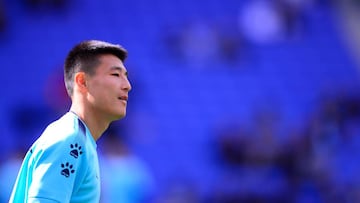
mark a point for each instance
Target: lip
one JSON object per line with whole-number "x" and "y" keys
{"x": 123, "y": 98}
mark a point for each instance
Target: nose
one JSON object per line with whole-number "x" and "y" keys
{"x": 127, "y": 85}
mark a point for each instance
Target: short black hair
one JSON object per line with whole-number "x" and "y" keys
{"x": 84, "y": 57}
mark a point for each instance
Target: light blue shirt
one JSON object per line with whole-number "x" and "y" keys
{"x": 61, "y": 166}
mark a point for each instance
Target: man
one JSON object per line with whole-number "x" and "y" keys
{"x": 62, "y": 165}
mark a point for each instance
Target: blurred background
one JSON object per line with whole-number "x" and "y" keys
{"x": 232, "y": 101}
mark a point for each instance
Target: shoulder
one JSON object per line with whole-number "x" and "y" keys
{"x": 64, "y": 129}
{"x": 62, "y": 134}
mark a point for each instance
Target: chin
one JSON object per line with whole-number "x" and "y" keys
{"x": 120, "y": 115}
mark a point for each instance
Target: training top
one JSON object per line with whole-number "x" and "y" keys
{"x": 61, "y": 166}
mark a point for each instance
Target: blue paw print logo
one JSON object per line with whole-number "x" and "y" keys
{"x": 75, "y": 150}
{"x": 67, "y": 169}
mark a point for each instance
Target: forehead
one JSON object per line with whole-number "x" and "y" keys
{"x": 110, "y": 62}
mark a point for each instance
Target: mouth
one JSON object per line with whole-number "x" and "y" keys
{"x": 123, "y": 98}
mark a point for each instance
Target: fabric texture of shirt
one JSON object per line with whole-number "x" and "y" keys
{"x": 61, "y": 166}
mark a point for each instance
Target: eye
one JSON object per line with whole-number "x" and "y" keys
{"x": 115, "y": 74}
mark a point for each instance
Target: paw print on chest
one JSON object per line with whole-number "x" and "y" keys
{"x": 67, "y": 169}
{"x": 75, "y": 150}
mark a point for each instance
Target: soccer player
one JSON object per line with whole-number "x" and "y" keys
{"x": 62, "y": 165}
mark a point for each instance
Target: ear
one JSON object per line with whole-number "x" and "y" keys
{"x": 80, "y": 81}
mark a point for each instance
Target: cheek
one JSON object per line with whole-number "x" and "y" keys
{"x": 104, "y": 91}
{"x": 97, "y": 91}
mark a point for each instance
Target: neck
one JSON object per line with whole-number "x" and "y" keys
{"x": 96, "y": 125}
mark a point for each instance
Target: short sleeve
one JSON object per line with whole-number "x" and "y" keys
{"x": 41, "y": 200}
{"x": 56, "y": 169}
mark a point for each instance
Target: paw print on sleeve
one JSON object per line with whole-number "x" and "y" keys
{"x": 75, "y": 150}
{"x": 67, "y": 169}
